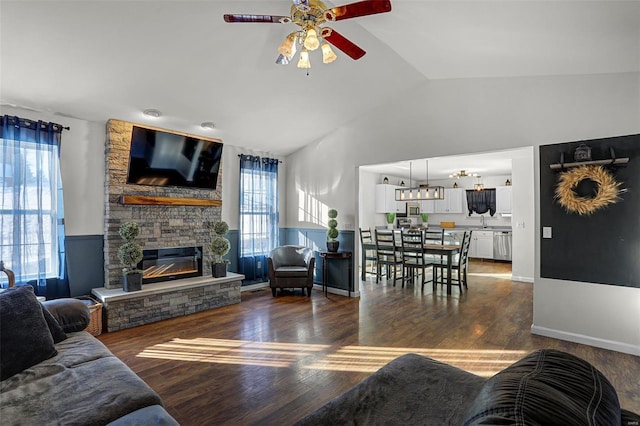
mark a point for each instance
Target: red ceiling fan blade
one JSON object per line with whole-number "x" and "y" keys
{"x": 270, "y": 19}
{"x": 342, "y": 43}
{"x": 361, "y": 8}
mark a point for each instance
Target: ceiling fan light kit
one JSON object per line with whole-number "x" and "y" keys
{"x": 328, "y": 55}
{"x": 303, "y": 62}
{"x": 309, "y": 15}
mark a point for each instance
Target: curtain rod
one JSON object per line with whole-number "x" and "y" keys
{"x": 240, "y": 155}
{"x": 29, "y": 119}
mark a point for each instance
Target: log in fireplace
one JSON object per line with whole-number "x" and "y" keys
{"x": 171, "y": 264}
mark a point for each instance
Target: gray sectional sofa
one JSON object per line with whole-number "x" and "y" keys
{"x": 546, "y": 387}
{"x": 79, "y": 381}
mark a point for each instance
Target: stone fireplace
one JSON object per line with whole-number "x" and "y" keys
{"x": 174, "y": 233}
{"x": 162, "y": 226}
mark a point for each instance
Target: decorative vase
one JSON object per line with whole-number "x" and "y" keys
{"x": 218, "y": 270}
{"x": 132, "y": 281}
{"x": 332, "y": 246}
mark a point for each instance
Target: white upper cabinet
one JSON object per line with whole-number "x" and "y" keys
{"x": 503, "y": 199}
{"x": 452, "y": 203}
{"x": 427, "y": 206}
{"x": 386, "y": 199}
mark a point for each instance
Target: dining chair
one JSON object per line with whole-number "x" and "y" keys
{"x": 414, "y": 259}
{"x": 432, "y": 236}
{"x": 368, "y": 253}
{"x": 459, "y": 265}
{"x": 388, "y": 254}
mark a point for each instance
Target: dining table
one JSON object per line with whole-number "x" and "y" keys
{"x": 448, "y": 250}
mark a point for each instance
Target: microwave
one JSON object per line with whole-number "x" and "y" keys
{"x": 413, "y": 209}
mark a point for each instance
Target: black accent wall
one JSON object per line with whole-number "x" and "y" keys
{"x": 603, "y": 247}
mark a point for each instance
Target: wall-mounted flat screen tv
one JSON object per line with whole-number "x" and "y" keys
{"x": 168, "y": 159}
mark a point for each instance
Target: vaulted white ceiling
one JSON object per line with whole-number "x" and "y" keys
{"x": 97, "y": 60}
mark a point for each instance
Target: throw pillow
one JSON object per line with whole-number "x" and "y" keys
{"x": 546, "y": 387}
{"x": 55, "y": 329}
{"x": 25, "y": 339}
{"x": 72, "y": 314}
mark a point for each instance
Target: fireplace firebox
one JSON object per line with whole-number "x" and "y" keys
{"x": 168, "y": 264}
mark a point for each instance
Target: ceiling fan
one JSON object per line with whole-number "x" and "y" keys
{"x": 309, "y": 15}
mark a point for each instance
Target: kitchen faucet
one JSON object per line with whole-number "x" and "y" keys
{"x": 484, "y": 225}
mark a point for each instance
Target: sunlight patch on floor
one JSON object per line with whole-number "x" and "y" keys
{"x": 266, "y": 354}
{"x": 320, "y": 357}
{"x": 484, "y": 363}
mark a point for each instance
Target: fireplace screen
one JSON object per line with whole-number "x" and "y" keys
{"x": 171, "y": 264}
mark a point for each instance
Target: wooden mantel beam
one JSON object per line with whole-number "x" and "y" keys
{"x": 168, "y": 201}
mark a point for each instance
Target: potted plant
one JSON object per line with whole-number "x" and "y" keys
{"x": 332, "y": 231}
{"x": 391, "y": 217}
{"x": 219, "y": 246}
{"x": 425, "y": 219}
{"x": 130, "y": 254}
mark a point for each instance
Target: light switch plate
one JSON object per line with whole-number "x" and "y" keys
{"x": 546, "y": 232}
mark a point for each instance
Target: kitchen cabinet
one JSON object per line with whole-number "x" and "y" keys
{"x": 503, "y": 199}
{"x": 481, "y": 245}
{"x": 452, "y": 203}
{"x": 427, "y": 206}
{"x": 386, "y": 199}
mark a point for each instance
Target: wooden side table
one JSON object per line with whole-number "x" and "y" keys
{"x": 340, "y": 255}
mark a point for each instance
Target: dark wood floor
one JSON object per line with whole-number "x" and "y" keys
{"x": 272, "y": 360}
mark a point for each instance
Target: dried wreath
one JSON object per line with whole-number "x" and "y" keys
{"x": 608, "y": 190}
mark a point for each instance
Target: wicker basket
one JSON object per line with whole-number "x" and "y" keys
{"x": 95, "y": 311}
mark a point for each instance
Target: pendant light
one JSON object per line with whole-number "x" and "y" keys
{"x": 420, "y": 192}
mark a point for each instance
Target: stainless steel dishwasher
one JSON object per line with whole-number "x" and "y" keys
{"x": 502, "y": 245}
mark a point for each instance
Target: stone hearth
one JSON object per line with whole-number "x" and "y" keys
{"x": 169, "y": 299}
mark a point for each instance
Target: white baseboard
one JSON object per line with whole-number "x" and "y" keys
{"x": 522, "y": 279}
{"x": 586, "y": 340}
{"x": 338, "y": 291}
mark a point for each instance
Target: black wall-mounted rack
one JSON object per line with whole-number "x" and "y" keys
{"x": 607, "y": 162}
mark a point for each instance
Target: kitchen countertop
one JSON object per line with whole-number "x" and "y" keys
{"x": 463, "y": 228}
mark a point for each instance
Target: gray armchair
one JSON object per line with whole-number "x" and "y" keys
{"x": 291, "y": 267}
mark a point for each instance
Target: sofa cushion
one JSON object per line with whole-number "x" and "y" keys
{"x": 410, "y": 390}
{"x": 291, "y": 271}
{"x": 25, "y": 339}
{"x": 72, "y": 314}
{"x": 83, "y": 384}
{"x": 153, "y": 415}
{"x": 546, "y": 387}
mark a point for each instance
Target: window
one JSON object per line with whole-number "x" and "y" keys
{"x": 31, "y": 211}
{"x": 259, "y": 215}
